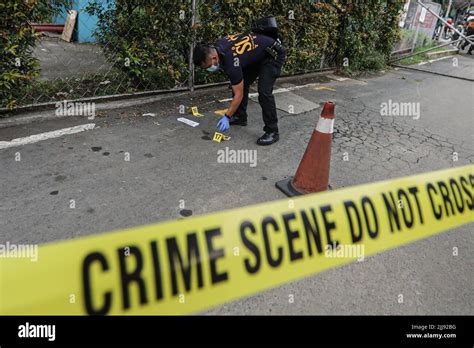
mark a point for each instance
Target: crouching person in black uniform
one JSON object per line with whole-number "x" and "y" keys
{"x": 470, "y": 34}
{"x": 243, "y": 58}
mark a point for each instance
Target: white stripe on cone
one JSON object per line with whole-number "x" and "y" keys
{"x": 325, "y": 125}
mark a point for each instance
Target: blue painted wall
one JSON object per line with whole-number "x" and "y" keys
{"x": 85, "y": 24}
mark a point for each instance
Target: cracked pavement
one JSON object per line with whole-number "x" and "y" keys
{"x": 171, "y": 163}
{"x": 372, "y": 141}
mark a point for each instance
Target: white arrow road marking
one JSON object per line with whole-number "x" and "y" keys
{"x": 44, "y": 136}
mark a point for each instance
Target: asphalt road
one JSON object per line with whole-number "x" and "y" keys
{"x": 171, "y": 163}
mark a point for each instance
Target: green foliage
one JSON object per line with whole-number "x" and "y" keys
{"x": 419, "y": 57}
{"x": 368, "y": 32}
{"x": 408, "y": 35}
{"x": 150, "y": 42}
{"x": 306, "y": 28}
{"x": 147, "y": 41}
{"x": 17, "y": 39}
{"x": 155, "y": 39}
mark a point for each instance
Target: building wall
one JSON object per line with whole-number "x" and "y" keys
{"x": 85, "y": 23}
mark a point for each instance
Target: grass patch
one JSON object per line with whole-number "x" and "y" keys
{"x": 420, "y": 57}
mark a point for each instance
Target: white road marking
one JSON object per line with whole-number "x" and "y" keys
{"x": 44, "y": 136}
{"x": 434, "y": 60}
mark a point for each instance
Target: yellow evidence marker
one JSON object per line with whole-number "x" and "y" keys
{"x": 220, "y": 112}
{"x": 195, "y": 111}
{"x": 218, "y": 137}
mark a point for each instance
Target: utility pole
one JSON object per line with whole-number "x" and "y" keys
{"x": 191, "y": 46}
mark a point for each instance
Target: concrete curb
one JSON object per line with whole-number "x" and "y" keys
{"x": 445, "y": 53}
{"x": 432, "y": 72}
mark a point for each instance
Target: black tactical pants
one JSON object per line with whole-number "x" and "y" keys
{"x": 267, "y": 71}
{"x": 466, "y": 43}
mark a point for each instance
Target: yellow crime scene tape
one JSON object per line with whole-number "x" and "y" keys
{"x": 190, "y": 265}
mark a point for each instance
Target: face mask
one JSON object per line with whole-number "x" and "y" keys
{"x": 213, "y": 68}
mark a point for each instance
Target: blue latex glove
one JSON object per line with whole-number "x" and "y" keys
{"x": 223, "y": 124}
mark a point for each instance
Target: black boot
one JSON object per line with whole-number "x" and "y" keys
{"x": 235, "y": 121}
{"x": 268, "y": 138}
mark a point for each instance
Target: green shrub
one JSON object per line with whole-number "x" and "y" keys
{"x": 17, "y": 40}
{"x": 305, "y": 27}
{"x": 154, "y": 39}
{"x": 369, "y": 30}
{"x": 408, "y": 36}
{"x": 362, "y": 33}
{"x": 147, "y": 41}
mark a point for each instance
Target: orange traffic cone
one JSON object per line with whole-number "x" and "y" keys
{"x": 312, "y": 174}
